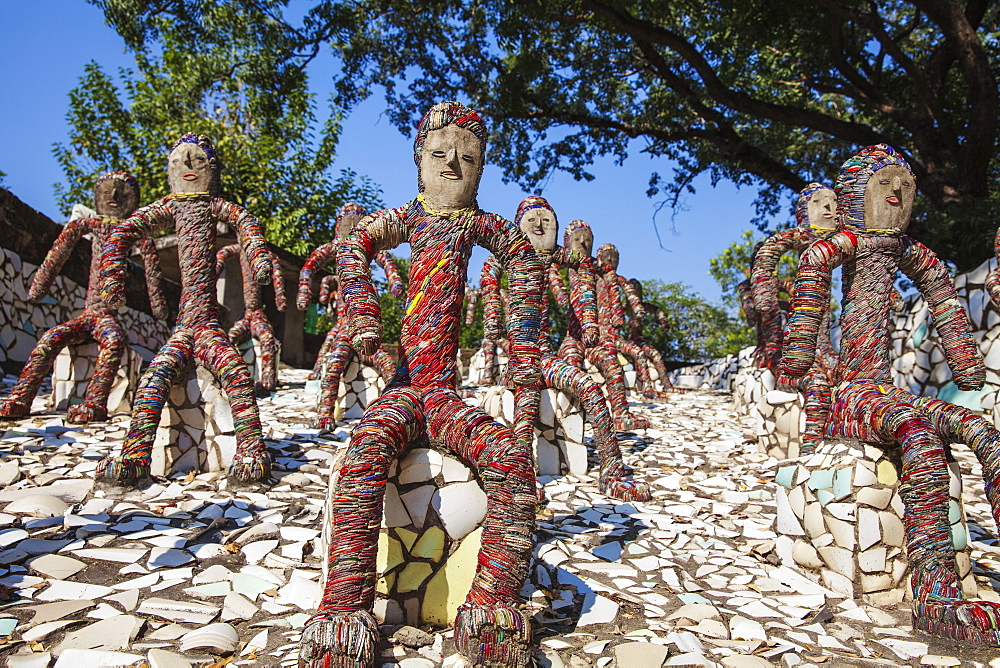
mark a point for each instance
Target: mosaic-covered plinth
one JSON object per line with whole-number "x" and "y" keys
{"x": 842, "y": 509}
{"x": 360, "y": 385}
{"x": 73, "y": 369}
{"x": 779, "y": 431}
{"x": 479, "y": 374}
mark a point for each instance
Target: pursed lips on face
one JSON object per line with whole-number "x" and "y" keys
{"x": 892, "y": 199}
{"x": 451, "y": 176}
{"x": 190, "y": 176}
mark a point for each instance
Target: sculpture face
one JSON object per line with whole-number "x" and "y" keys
{"x": 115, "y": 198}
{"x": 582, "y": 240}
{"x": 889, "y": 199}
{"x": 608, "y": 256}
{"x": 822, "y": 209}
{"x": 347, "y": 223}
{"x": 450, "y": 167}
{"x": 188, "y": 169}
{"x": 540, "y": 226}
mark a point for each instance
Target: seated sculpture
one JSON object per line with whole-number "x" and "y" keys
{"x": 254, "y": 323}
{"x": 336, "y": 351}
{"x": 116, "y": 195}
{"x": 539, "y": 223}
{"x": 579, "y": 238}
{"x": 875, "y": 191}
{"x": 441, "y": 225}
{"x": 193, "y": 207}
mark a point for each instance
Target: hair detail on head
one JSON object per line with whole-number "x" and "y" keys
{"x": 604, "y": 248}
{"x": 801, "y": 207}
{"x": 572, "y": 226}
{"x": 351, "y": 208}
{"x": 119, "y": 175}
{"x": 204, "y": 143}
{"x": 853, "y": 179}
{"x": 533, "y": 202}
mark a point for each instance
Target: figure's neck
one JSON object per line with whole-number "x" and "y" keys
{"x": 444, "y": 210}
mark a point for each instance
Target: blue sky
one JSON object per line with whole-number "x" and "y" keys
{"x": 44, "y": 45}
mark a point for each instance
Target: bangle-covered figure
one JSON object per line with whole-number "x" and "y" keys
{"x": 194, "y": 209}
{"x": 441, "y": 225}
{"x": 614, "y": 294}
{"x": 539, "y": 223}
{"x": 116, "y": 195}
{"x": 815, "y": 217}
{"x": 875, "y": 191}
{"x": 336, "y": 351}
{"x": 327, "y": 298}
{"x": 254, "y": 323}
{"x": 637, "y": 336}
{"x": 579, "y": 238}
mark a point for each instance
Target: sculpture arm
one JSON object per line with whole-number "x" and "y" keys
{"x": 317, "y": 259}
{"x": 154, "y": 278}
{"x": 557, "y": 287}
{"x": 810, "y": 301}
{"x": 661, "y": 316}
{"x": 327, "y": 290}
{"x": 934, "y": 281}
{"x": 250, "y": 236}
{"x": 224, "y": 255}
{"x": 489, "y": 289}
{"x": 278, "y": 281}
{"x": 582, "y": 290}
{"x": 144, "y": 222}
{"x": 392, "y": 274}
{"x": 56, "y": 258}
{"x": 524, "y": 307}
{"x": 380, "y": 231}
{"x": 763, "y": 282}
{"x": 471, "y": 302}
{"x": 635, "y": 303}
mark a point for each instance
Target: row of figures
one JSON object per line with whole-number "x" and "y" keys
{"x": 849, "y": 396}
{"x": 420, "y": 402}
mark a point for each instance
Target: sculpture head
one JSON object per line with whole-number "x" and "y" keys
{"x": 449, "y": 150}
{"x": 193, "y": 166}
{"x": 636, "y": 287}
{"x": 116, "y": 194}
{"x": 538, "y": 222}
{"x": 817, "y": 208}
{"x": 579, "y": 237}
{"x": 607, "y": 256}
{"x": 347, "y": 217}
{"x": 875, "y": 191}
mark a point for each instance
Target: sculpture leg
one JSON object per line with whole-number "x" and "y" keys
{"x": 324, "y": 350}
{"x": 18, "y": 402}
{"x": 343, "y": 633}
{"x": 638, "y": 356}
{"x": 383, "y": 361}
{"x": 656, "y": 359}
{"x": 240, "y": 331}
{"x": 614, "y": 384}
{"x": 770, "y": 348}
{"x": 214, "y": 351}
{"x": 616, "y": 480}
{"x": 816, "y": 389}
{"x": 260, "y": 329}
{"x": 490, "y": 629}
{"x": 167, "y": 368}
{"x": 107, "y": 331}
{"x": 336, "y": 364}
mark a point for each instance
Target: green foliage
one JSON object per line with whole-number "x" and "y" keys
{"x": 224, "y": 82}
{"x": 698, "y": 331}
{"x": 732, "y": 266}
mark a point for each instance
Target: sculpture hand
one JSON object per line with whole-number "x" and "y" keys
{"x": 973, "y": 379}
{"x": 591, "y": 335}
{"x": 366, "y": 342}
{"x": 304, "y": 295}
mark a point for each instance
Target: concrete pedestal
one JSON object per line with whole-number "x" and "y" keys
{"x": 75, "y": 366}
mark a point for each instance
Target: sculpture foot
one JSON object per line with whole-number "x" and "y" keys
{"x": 655, "y": 395}
{"x": 974, "y": 621}
{"x": 122, "y": 471}
{"x": 540, "y": 493}
{"x": 495, "y": 635}
{"x": 264, "y": 390}
{"x": 626, "y": 489}
{"x": 14, "y": 410}
{"x": 628, "y": 422}
{"x": 339, "y": 640}
{"x": 250, "y": 467}
{"x": 86, "y": 412}
{"x": 325, "y": 422}
{"x": 807, "y": 448}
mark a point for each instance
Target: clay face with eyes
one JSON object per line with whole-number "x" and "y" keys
{"x": 188, "y": 169}
{"x": 608, "y": 257}
{"x": 115, "y": 198}
{"x": 450, "y": 167}
{"x": 582, "y": 240}
{"x": 821, "y": 209}
{"x": 347, "y": 223}
{"x": 540, "y": 226}
{"x": 889, "y": 199}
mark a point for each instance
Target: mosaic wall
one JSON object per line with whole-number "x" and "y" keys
{"x": 75, "y": 366}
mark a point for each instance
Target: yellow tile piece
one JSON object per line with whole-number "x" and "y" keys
{"x": 886, "y": 472}
{"x": 389, "y": 553}
{"x": 408, "y": 537}
{"x": 411, "y": 577}
{"x": 430, "y": 546}
{"x": 384, "y": 584}
{"x": 448, "y": 588}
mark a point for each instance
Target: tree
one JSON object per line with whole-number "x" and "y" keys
{"x": 276, "y": 154}
{"x": 768, "y": 93}
{"x": 698, "y": 331}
